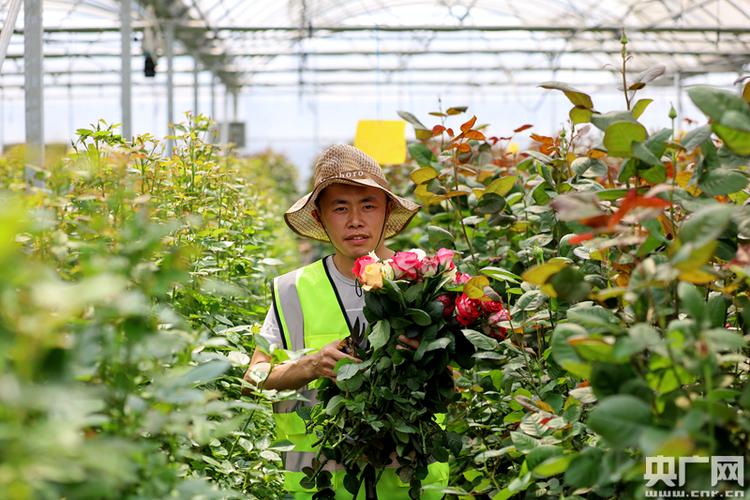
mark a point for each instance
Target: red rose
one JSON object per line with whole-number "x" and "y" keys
{"x": 445, "y": 258}
{"x": 467, "y": 310}
{"x": 492, "y": 306}
{"x": 405, "y": 264}
{"x": 461, "y": 278}
{"x": 360, "y": 264}
{"x": 448, "y": 304}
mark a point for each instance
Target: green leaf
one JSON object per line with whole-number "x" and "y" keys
{"x": 204, "y": 373}
{"x": 405, "y": 115}
{"x": 553, "y": 466}
{"x": 500, "y": 274}
{"x": 501, "y": 186}
{"x": 380, "y": 334}
{"x": 655, "y": 175}
{"x": 714, "y": 102}
{"x": 577, "y": 97}
{"x": 620, "y": 135}
{"x": 570, "y": 285}
{"x": 439, "y": 236}
{"x": 723, "y": 181}
{"x": 583, "y": 164}
{"x": 539, "y": 274}
{"x": 644, "y": 154}
{"x": 706, "y": 224}
{"x": 424, "y": 157}
{"x": 585, "y": 469}
{"x": 722, "y": 340}
{"x": 640, "y": 106}
{"x": 580, "y": 114}
{"x": 347, "y": 369}
{"x": 334, "y": 404}
{"x": 696, "y": 137}
{"x": 692, "y": 301}
{"x": 422, "y": 175}
{"x": 564, "y": 354}
{"x": 603, "y": 121}
{"x": 481, "y": 341}
{"x": 620, "y": 419}
{"x": 490, "y": 203}
{"x": 419, "y": 316}
{"x": 611, "y": 194}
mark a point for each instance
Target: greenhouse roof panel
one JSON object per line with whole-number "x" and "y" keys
{"x": 304, "y": 39}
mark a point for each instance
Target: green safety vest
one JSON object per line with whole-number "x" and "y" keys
{"x": 310, "y": 314}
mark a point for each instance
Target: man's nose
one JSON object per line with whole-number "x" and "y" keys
{"x": 355, "y": 218}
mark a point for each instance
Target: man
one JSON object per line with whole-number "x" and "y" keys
{"x": 315, "y": 307}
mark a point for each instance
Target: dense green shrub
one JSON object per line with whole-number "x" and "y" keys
{"x": 132, "y": 286}
{"x": 624, "y": 264}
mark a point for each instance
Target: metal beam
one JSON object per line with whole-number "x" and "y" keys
{"x": 33, "y": 85}
{"x": 390, "y": 70}
{"x": 7, "y": 30}
{"x": 187, "y": 25}
{"x": 126, "y": 69}
{"x": 339, "y": 53}
{"x": 339, "y": 83}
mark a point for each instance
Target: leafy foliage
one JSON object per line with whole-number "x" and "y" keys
{"x": 624, "y": 266}
{"x": 132, "y": 285}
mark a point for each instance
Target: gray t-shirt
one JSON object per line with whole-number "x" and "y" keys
{"x": 351, "y": 296}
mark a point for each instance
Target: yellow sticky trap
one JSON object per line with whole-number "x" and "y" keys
{"x": 384, "y": 140}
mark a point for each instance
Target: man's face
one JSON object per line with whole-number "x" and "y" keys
{"x": 353, "y": 216}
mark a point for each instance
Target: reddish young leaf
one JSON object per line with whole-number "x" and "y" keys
{"x": 450, "y": 132}
{"x": 631, "y": 201}
{"x": 437, "y": 130}
{"x": 580, "y": 238}
{"x": 464, "y": 147}
{"x": 597, "y": 221}
{"x": 522, "y": 128}
{"x": 474, "y": 134}
{"x": 467, "y": 126}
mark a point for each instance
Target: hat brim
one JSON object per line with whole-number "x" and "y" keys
{"x": 300, "y": 219}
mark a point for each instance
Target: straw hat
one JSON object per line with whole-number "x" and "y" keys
{"x": 344, "y": 164}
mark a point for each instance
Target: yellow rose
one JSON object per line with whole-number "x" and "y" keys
{"x": 373, "y": 276}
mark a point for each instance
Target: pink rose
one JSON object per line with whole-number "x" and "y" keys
{"x": 448, "y": 304}
{"x": 445, "y": 258}
{"x": 461, "y": 278}
{"x": 360, "y": 264}
{"x": 428, "y": 266}
{"x": 467, "y": 310}
{"x": 405, "y": 265}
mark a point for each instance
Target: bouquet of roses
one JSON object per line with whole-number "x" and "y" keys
{"x": 382, "y": 412}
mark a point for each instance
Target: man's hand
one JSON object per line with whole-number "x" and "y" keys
{"x": 412, "y": 344}
{"x": 324, "y": 361}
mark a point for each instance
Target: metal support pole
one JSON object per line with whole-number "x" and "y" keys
{"x": 126, "y": 69}
{"x": 678, "y": 97}
{"x": 213, "y": 97}
{"x": 234, "y": 106}
{"x": 33, "y": 71}
{"x": 225, "y": 118}
{"x": 196, "y": 87}
{"x": 169, "y": 39}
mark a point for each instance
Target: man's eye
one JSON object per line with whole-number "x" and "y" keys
{"x": 339, "y": 209}
{"x": 369, "y": 207}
